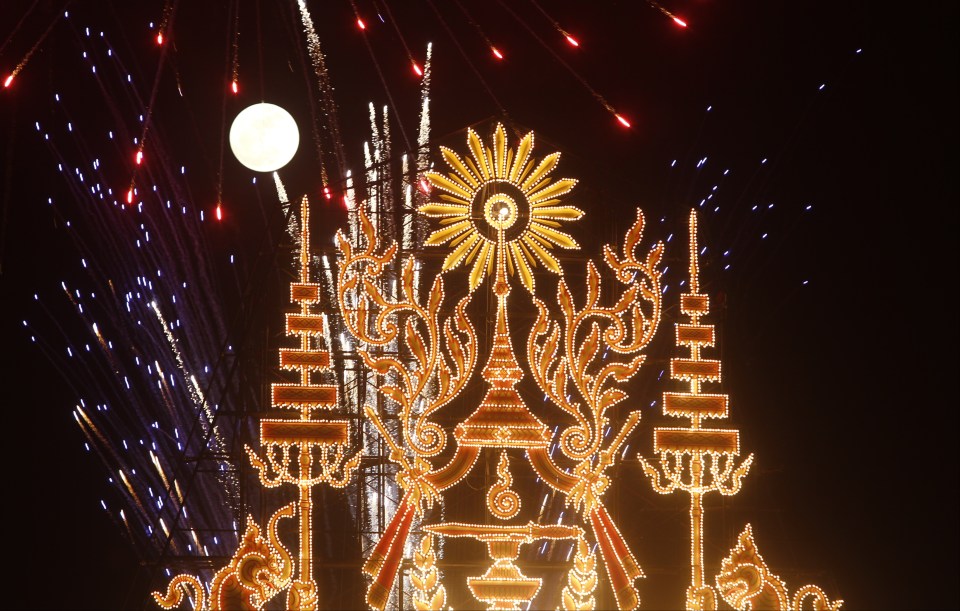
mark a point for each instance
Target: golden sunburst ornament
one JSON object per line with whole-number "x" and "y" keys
{"x": 500, "y": 207}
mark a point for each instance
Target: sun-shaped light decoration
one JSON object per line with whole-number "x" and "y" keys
{"x": 500, "y": 207}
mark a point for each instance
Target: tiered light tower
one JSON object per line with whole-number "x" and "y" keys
{"x": 696, "y": 459}
{"x": 303, "y": 452}
{"x": 319, "y": 443}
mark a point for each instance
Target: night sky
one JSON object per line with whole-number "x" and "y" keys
{"x": 830, "y": 242}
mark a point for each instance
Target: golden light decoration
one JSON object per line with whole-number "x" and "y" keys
{"x": 304, "y": 451}
{"x": 503, "y": 585}
{"x": 431, "y": 595}
{"x": 503, "y": 502}
{"x": 259, "y": 570}
{"x": 695, "y": 459}
{"x": 444, "y": 350}
{"x": 497, "y": 202}
{"x": 500, "y": 213}
{"x": 745, "y": 582}
{"x": 577, "y": 595}
{"x": 310, "y": 449}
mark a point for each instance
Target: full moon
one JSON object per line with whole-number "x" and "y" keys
{"x": 264, "y": 137}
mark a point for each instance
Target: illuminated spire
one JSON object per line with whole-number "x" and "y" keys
{"x": 302, "y": 451}
{"x": 502, "y": 420}
{"x": 694, "y": 459}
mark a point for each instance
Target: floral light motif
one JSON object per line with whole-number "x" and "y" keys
{"x": 577, "y": 595}
{"x": 584, "y": 381}
{"x": 499, "y": 192}
{"x": 444, "y": 352}
{"x": 431, "y": 595}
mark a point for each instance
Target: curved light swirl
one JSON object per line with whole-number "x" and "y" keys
{"x": 500, "y": 201}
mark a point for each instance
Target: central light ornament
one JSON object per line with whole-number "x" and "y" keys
{"x": 501, "y": 211}
{"x": 500, "y": 203}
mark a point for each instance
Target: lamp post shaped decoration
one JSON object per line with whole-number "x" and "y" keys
{"x": 500, "y": 213}
{"x": 303, "y": 452}
{"x": 309, "y": 450}
{"x": 695, "y": 459}
{"x": 700, "y": 460}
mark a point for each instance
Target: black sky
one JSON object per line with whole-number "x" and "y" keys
{"x": 841, "y": 387}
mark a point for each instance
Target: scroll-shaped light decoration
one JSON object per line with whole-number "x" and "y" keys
{"x": 745, "y": 582}
{"x": 443, "y": 349}
{"x": 580, "y": 362}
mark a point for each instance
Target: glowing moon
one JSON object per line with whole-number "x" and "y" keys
{"x": 264, "y": 137}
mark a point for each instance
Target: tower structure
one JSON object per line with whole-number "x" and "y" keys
{"x": 305, "y": 451}
{"x": 696, "y": 459}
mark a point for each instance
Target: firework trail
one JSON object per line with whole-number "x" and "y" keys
{"x": 151, "y": 362}
{"x": 328, "y": 121}
{"x": 8, "y": 80}
{"x": 19, "y": 24}
{"x": 153, "y": 365}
